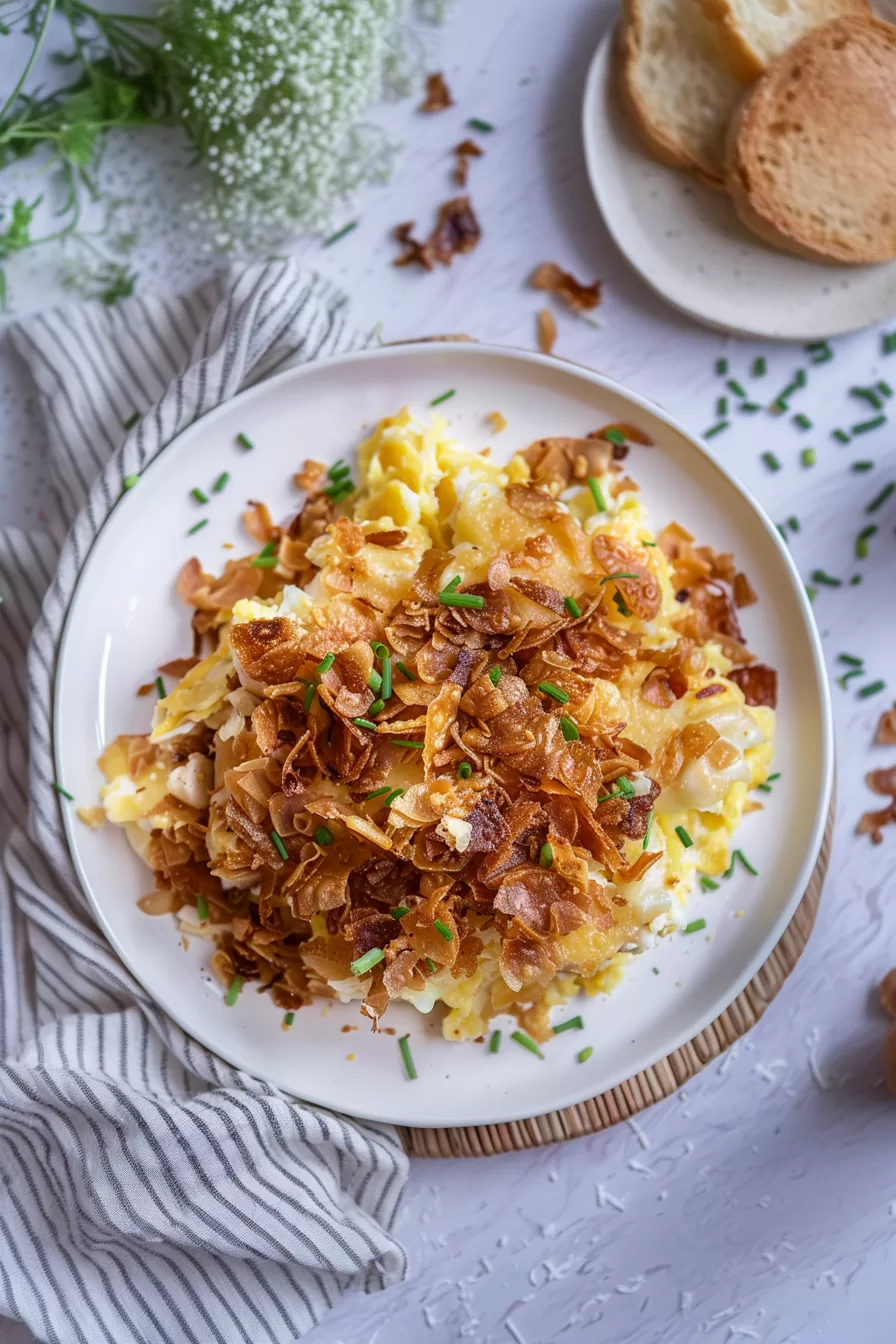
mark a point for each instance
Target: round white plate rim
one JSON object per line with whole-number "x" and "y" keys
{"x": 576, "y": 1093}
{"x": 599, "y": 74}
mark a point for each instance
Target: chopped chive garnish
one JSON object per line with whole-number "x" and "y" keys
{"x": 323, "y": 835}
{"x": 479, "y": 125}
{"x": 716, "y": 429}
{"x": 378, "y": 793}
{"x": 199, "y": 495}
{"x": 376, "y": 708}
{"x": 64, "y": 792}
{"x": 884, "y": 388}
{"x": 244, "y": 441}
{"x": 881, "y": 498}
{"x": 848, "y": 676}
{"x": 494, "y": 1044}
{"x": 734, "y": 386}
{"x": 614, "y": 436}
{"x": 819, "y": 576}
{"x": 379, "y": 650}
{"x": 862, "y": 466}
{"x": 820, "y": 351}
{"x": 269, "y": 548}
{"x": 781, "y": 533}
{"x": 494, "y": 675}
{"x": 464, "y": 770}
{"x": 793, "y": 523}
{"x": 802, "y": 421}
{"x": 546, "y": 857}
{"x": 865, "y": 426}
{"x": 364, "y": 723}
{"x": 131, "y": 420}
{"x": 400, "y": 911}
{"x": 750, "y": 407}
{"x": 840, "y": 435}
{"x": 325, "y": 663}
{"x": 203, "y": 522}
{"x": 340, "y": 490}
{"x": 721, "y": 407}
{"x": 289, "y": 1019}
{"x": 807, "y": 457}
{"x": 309, "y": 696}
{"x": 569, "y": 730}
{"x": 408, "y": 742}
{"x": 202, "y": 909}
{"x": 437, "y": 401}
{"x": 584, "y": 1055}
{"x": 386, "y": 690}
{"x": 340, "y": 233}
{"x": 264, "y": 562}
{"x": 339, "y": 468}
{"x": 627, "y": 787}
{"x": 721, "y": 367}
{"x": 888, "y": 342}
{"x": 695, "y": 926}
{"x": 871, "y": 689}
{"x": 811, "y": 593}
{"x": 776, "y": 775}
{"x": 868, "y": 394}
{"x": 471, "y": 600}
{"x": 771, "y": 462}
{"x": 862, "y": 541}
{"x": 707, "y": 884}
{"x": 764, "y": 788}
{"x": 407, "y": 1057}
{"x": 759, "y": 367}
{"x": 361, "y": 965}
{"x": 526, "y": 1042}
{"x": 233, "y": 992}
{"x": 555, "y": 692}
{"x": 778, "y": 407}
{"x": 375, "y": 682}
{"x": 800, "y": 378}
{"x": 129, "y": 482}
{"x": 597, "y": 494}
{"x": 443, "y": 929}
{"x": 607, "y": 797}
{"x": 454, "y": 584}
{"x": 739, "y": 854}
{"x": 279, "y": 845}
{"x": 620, "y": 605}
{"x": 392, "y": 795}
{"x": 404, "y": 671}
{"x": 683, "y": 836}
{"x": 646, "y": 840}
{"x": 160, "y": 688}
{"x": 221, "y": 482}
{"x": 647, "y": 543}
{"x": 571, "y": 1024}
{"x": 850, "y": 660}
{"x": 620, "y": 574}
{"x": 572, "y": 607}
{"x": 431, "y": 965}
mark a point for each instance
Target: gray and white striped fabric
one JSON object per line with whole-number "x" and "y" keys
{"x": 148, "y": 1191}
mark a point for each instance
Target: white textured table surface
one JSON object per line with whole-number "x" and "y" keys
{"x": 760, "y": 1203}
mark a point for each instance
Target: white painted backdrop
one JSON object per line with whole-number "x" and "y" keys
{"x": 759, "y": 1203}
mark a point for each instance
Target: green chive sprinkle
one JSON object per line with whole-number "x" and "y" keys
{"x": 776, "y": 775}
{"x": 807, "y": 457}
{"x": 340, "y": 233}
{"x": 407, "y": 1057}
{"x": 160, "y": 688}
{"x": 443, "y": 930}
{"x": 129, "y": 482}
{"x": 326, "y": 663}
{"x": 376, "y": 708}
{"x": 620, "y": 574}
{"x": 400, "y": 911}
{"x": 655, "y": 969}
{"x": 131, "y": 420}
{"x": 221, "y": 482}
{"x": 695, "y": 926}
{"x": 361, "y": 965}
{"x": 811, "y": 593}
{"x": 865, "y": 426}
{"x": 289, "y": 1019}
{"x": 494, "y": 675}
{"x": 572, "y": 607}
{"x": 707, "y": 884}
{"x": 309, "y": 696}
{"x": 233, "y": 992}
{"x": 848, "y": 676}
{"x": 716, "y": 429}
{"x": 569, "y": 730}
{"x": 771, "y": 462}
{"x": 407, "y": 742}
{"x": 646, "y": 840}
{"x": 739, "y": 854}
{"x": 802, "y": 421}
{"x": 751, "y": 407}
{"x": 364, "y": 723}
{"x": 392, "y": 795}
{"x": 269, "y": 548}
{"x": 778, "y": 407}
{"x": 202, "y": 909}
{"x": 721, "y": 407}
{"x": 556, "y": 693}
{"x": 800, "y": 378}
{"x": 620, "y": 605}
{"x": 387, "y": 678}
{"x": 781, "y": 533}
{"x": 494, "y": 1044}
{"x": 862, "y": 541}
{"x": 759, "y": 367}
{"x": 279, "y": 845}
{"x": 199, "y": 495}
{"x": 868, "y": 394}
{"x": 626, "y": 786}
{"x": 614, "y": 436}
{"x": 471, "y": 600}
{"x": 862, "y": 466}
{"x": 607, "y": 797}
{"x": 584, "y": 1055}
{"x": 379, "y": 650}
{"x": 764, "y": 788}
{"x": 245, "y": 442}
{"x": 546, "y": 857}
{"x": 819, "y": 576}
{"x": 571, "y": 1024}
{"x": 437, "y": 401}
{"x": 339, "y": 468}
{"x": 479, "y": 125}
{"x": 464, "y": 770}
{"x": 683, "y": 836}
{"x": 734, "y": 386}
{"x": 793, "y": 523}
{"x": 404, "y": 671}
{"x": 264, "y": 562}
{"x": 375, "y": 682}
{"x": 203, "y": 522}
{"x": 340, "y": 490}
{"x": 526, "y": 1042}
{"x": 872, "y": 689}
{"x": 323, "y": 835}
{"x": 889, "y": 342}
{"x": 64, "y": 792}
{"x": 881, "y": 498}
{"x": 378, "y": 793}
{"x": 454, "y": 584}
{"x": 597, "y": 494}
{"x": 850, "y": 660}
{"x": 840, "y": 435}
{"x": 884, "y": 389}
{"x": 432, "y": 965}
{"x": 721, "y": 367}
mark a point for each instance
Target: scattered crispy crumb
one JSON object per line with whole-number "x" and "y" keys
{"x": 753, "y": 805}
{"x": 92, "y": 817}
{"x": 886, "y": 728}
{"x": 580, "y": 298}
{"x": 226, "y": 545}
{"x": 456, "y": 231}
{"x": 890, "y": 1060}
{"x": 888, "y": 993}
{"x": 388, "y": 1031}
{"x": 438, "y": 95}
{"x": 350, "y": 1058}
{"x": 497, "y": 421}
{"x": 311, "y": 476}
{"x": 349, "y": 1027}
{"x": 547, "y": 331}
{"x": 465, "y": 151}
{"x": 738, "y": 914}
{"x": 147, "y": 688}
{"x": 871, "y": 823}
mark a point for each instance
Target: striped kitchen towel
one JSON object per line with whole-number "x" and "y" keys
{"x": 148, "y": 1191}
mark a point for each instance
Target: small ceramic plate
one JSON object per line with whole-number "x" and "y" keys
{"x": 125, "y": 620}
{"x": 689, "y": 245}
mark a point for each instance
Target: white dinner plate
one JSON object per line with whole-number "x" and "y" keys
{"x": 125, "y": 620}
{"x": 687, "y": 242}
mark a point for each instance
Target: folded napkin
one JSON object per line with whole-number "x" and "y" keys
{"x": 148, "y": 1191}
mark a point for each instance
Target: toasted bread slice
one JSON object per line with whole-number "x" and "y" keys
{"x": 812, "y": 153}
{"x": 676, "y": 85}
{"x": 753, "y": 33}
